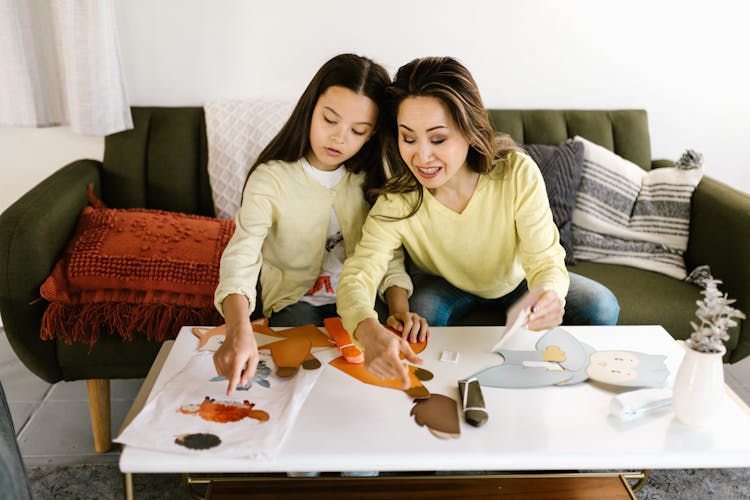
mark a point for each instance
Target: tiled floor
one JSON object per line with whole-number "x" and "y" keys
{"x": 53, "y": 424}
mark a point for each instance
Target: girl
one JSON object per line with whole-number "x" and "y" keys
{"x": 302, "y": 213}
{"x": 471, "y": 211}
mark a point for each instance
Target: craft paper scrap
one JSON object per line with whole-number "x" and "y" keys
{"x": 193, "y": 415}
{"x": 508, "y": 333}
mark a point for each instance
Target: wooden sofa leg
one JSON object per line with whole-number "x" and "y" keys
{"x": 98, "y": 390}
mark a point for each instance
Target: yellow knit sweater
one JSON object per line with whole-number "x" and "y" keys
{"x": 505, "y": 234}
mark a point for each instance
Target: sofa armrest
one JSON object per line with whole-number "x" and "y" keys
{"x": 720, "y": 237}
{"x": 33, "y": 234}
{"x": 661, "y": 164}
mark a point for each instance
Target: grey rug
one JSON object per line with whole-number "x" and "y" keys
{"x": 104, "y": 481}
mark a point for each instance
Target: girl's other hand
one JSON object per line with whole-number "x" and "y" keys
{"x": 237, "y": 358}
{"x": 382, "y": 350}
{"x": 410, "y": 325}
{"x": 546, "y": 311}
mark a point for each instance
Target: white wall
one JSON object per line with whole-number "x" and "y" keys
{"x": 683, "y": 61}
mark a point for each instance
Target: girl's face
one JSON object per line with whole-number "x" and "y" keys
{"x": 430, "y": 143}
{"x": 342, "y": 122}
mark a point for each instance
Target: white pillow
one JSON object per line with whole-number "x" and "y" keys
{"x": 626, "y": 215}
{"x": 237, "y": 131}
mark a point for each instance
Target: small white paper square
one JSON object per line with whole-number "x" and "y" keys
{"x": 449, "y": 357}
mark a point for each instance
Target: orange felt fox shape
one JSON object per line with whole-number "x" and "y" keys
{"x": 348, "y": 363}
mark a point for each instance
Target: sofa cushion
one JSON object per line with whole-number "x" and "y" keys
{"x": 237, "y": 132}
{"x": 625, "y": 215}
{"x": 561, "y": 168}
{"x": 129, "y": 271}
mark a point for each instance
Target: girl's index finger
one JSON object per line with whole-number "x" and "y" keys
{"x": 233, "y": 381}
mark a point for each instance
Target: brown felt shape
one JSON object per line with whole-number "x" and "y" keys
{"x": 310, "y": 362}
{"x": 439, "y": 414}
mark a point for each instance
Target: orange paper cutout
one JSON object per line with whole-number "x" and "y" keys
{"x": 310, "y": 332}
{"x": 343, "y": 340}
{"x": 416, "y": 390}
{"x": 301, "y": 337}
{"x": 357, "y": 370}
{"x": 292, "y": 355}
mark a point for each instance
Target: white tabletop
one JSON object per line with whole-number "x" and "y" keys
{"x": 348, "y": 425}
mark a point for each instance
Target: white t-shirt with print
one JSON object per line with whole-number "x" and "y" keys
{"x": 324, "y": 290}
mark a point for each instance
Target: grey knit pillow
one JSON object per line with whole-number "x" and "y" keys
{"x": 561, "y": 168}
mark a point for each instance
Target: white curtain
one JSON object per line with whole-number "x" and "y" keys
{"x": 60, "y": 65}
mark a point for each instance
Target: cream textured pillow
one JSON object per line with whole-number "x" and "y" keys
{"x": 626, "y": 215}
{"x": 237, "y": 131}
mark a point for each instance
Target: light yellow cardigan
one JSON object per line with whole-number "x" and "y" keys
{"x": 281, "y": 231}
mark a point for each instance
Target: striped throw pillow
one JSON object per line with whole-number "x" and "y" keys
{"x": 626, "y": 215}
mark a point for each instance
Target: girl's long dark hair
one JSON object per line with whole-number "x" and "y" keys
{"x": 448, "y": 80}
{"x": 356, "y": 73}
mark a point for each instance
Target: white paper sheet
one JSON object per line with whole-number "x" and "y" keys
{"x": 162, "y": 426}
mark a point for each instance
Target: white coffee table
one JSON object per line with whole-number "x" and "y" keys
{"x": 348, "y": 425}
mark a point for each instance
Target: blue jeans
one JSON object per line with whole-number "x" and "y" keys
{"x": 302, "y": 313}
{"x": 442, "y": 304}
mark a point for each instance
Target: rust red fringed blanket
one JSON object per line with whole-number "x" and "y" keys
{"x": 135, "y": 272}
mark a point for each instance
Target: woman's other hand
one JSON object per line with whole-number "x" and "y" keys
{"x": 546, "y": 311}
{"x": 383, "y": 350}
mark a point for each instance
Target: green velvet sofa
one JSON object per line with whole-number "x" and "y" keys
{"x": 162, "y": 163}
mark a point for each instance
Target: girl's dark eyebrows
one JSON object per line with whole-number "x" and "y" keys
{"x": 401, "y": 125}
{"x": 339, "y": 116}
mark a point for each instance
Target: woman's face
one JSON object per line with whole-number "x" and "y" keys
{"x": 342, "y": 122}
{"x": 429, "y": 141}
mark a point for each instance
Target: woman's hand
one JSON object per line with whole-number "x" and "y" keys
{"x": 410, "y": 325}
{"x": 382, "y": 350}
{"x": 547, "y": 311}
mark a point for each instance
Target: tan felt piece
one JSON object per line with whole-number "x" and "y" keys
{"x": 289, "y": 354}
{"x": 309, "y": 332}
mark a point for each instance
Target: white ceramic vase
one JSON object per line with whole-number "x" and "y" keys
{"x": 698, "y": 387}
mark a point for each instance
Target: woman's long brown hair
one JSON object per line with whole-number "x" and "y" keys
{"x": 446, "y": 79}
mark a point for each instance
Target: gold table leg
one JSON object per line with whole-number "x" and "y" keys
{"x": 127, "y": 479}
